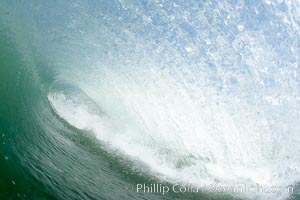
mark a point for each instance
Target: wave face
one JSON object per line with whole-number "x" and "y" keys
{"x": 96, "y": 95}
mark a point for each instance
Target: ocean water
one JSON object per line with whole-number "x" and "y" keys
{"x": 110, "y": 99}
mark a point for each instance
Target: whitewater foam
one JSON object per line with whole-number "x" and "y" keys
{"x": 180, "y": 139}
{"x": 202, "y": 100}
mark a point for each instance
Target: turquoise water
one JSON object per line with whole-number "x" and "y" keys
{"x": 100, "y": 97}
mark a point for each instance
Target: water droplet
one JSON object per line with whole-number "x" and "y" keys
{"x": 268, "y": 2}
{"x": 6, "y": 158}
{"x": 189, "y": 49}
{"x": 241, "y": 27}
{"x": 13, "y": 182}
